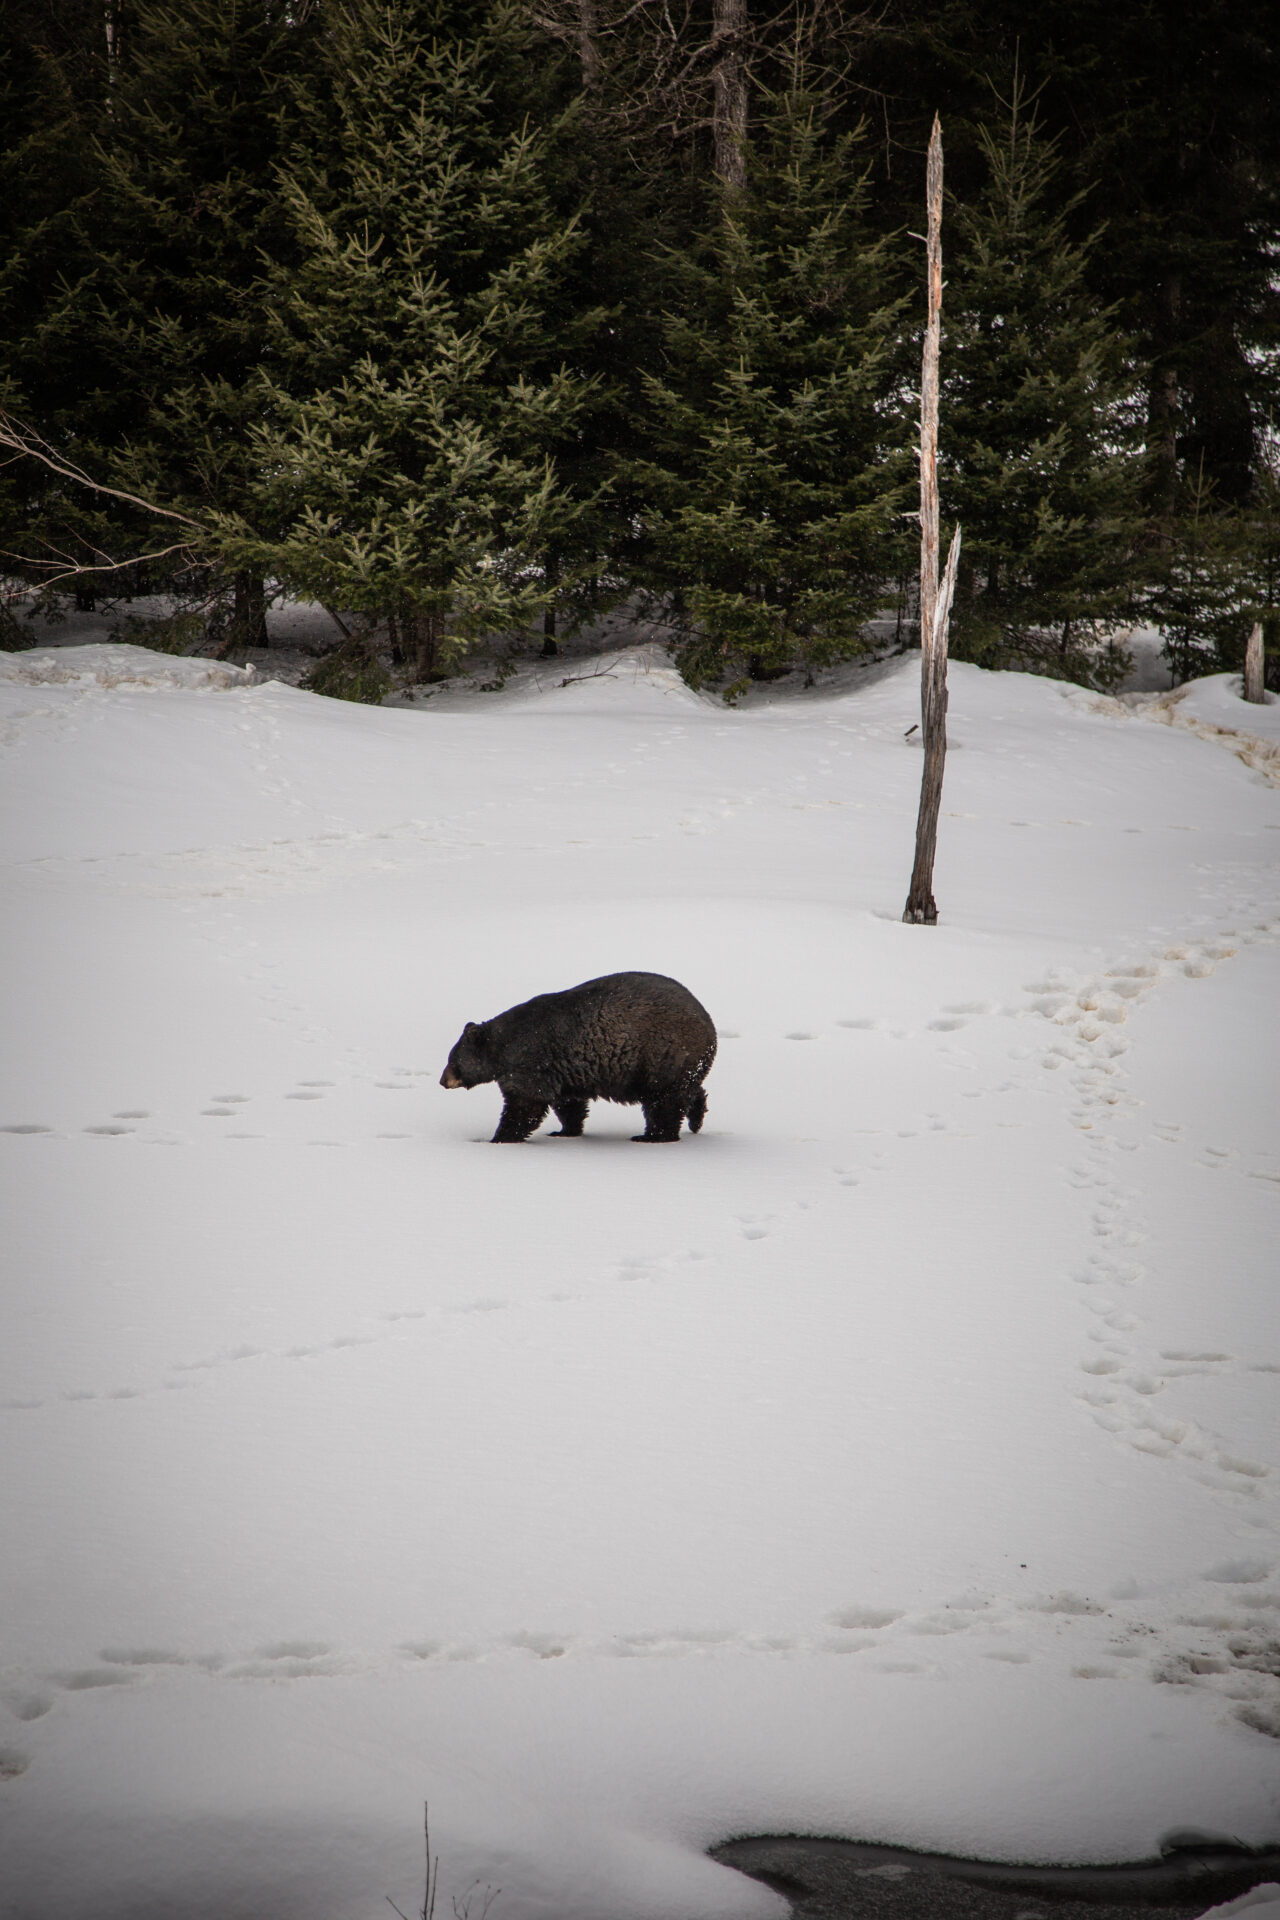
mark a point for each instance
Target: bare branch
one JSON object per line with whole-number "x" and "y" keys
{"x": 26, "y": 440}
{"x": 76, "y": 568}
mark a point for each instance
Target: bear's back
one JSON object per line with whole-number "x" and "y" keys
{"x": 614, "y": 1037}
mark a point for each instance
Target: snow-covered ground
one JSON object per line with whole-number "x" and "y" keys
{"x": 897, "y": 1459}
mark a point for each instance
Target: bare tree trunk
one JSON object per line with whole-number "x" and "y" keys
{"x": 921, "y": 908}
{"x": 729, "y": 76}
{"x": 589, "y": 45}
{"x": 1253, "y": 666}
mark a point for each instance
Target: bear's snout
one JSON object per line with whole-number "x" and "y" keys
{"x": 450, "y": 1079}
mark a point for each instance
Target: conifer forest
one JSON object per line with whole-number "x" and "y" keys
{"x": 473, "y": 319}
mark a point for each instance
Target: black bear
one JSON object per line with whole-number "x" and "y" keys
{"x": 637, "y": 1038}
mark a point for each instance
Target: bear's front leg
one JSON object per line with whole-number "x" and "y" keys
{"x": 521, "y": 1116}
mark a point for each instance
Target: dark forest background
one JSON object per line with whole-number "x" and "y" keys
{"x": 475, "y": 320}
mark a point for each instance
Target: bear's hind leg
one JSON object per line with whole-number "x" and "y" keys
{"x": 572, "y": 1115}
{"x": 661, "y": 1120}
{"x": 696, "y": 1110}
{"x": 520, "y": 1118}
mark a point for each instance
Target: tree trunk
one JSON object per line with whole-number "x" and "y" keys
{"x": 729, "y": 77}
{"x": 921, "y": 908}
{"x": 589, "y": 45}
{"x": 421, "y": 631}
{"x": 248, "y": 611}
{"x": 1162, "y": 408}
{"x": 1253, "y": 666}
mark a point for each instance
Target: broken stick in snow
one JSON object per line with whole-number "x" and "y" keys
{"x": 1253, "y": 665}
{"x": 935, "y": 601}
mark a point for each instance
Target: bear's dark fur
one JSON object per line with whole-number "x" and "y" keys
{"x": 637, "y": 1038}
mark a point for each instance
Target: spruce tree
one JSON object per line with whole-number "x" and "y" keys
{"x": 187, "y": 214}
{"x": 53, "y": 80}
{"x": 1219, "y": 571}
{"x": 1038, "y": 456}
{"x": 151, "y": 322}
{"x": 773, "y": 489}
{"x": 1197, "y": 599}
{"x": 419, "y": 378}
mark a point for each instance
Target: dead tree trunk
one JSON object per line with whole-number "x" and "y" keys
{"x": 588, "y": 24}
{"x": 1253, "y": 666}
{"x": 935, "y": 605}
{"x": 729, "y": 112}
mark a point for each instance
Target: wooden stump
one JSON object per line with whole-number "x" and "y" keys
{"x": 1253, "y": 667}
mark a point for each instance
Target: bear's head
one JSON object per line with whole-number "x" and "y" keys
{"x": 469, "y": 1063}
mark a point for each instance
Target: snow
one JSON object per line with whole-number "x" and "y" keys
{"x": 1263, "y": 1902}
{"x": 897, "y": 1459}
{"x": 114, "y": 664}
{"x": 1217, "y": 700}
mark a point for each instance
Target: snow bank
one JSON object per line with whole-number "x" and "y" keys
{"x": 110, "y": 664}
{"x": 1216, "y": 709}
{"x": 1217, "y": 701}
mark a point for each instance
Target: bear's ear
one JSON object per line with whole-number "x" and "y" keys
{"x": 469, "y": 1028}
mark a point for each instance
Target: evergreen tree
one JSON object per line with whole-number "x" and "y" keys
{"x": 773, "y": 492}
{"x": 53, "y": 76}
{"x": 419, "y": 380}
{"x": 1165, "y": 116}
{"x": 187, "y": 212}
{"x": 1219, "y": 572}
{"x": 1038, "y": 440}
{"x": 1196, "y": 600}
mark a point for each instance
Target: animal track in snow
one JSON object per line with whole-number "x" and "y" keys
{"x": 85, "y": 1679}
{"x": 1124, "y": 1381}
{"x": 29, "y": 1707}
{"x": 1232, "y": 1648}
